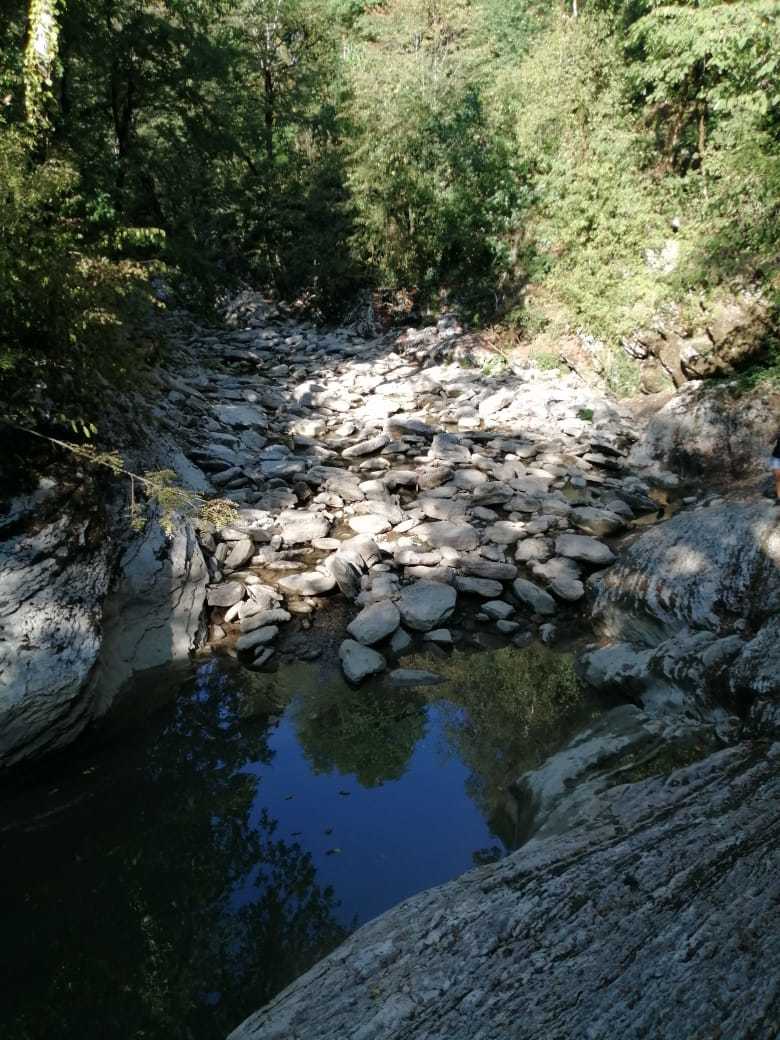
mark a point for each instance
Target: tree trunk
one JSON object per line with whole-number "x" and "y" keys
{"x": 268, "y": 89}
{"x": 40, "y": 57}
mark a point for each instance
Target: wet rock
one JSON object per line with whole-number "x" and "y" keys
{"x": 375, "y": 623}
{"x": 570, "y": 589}
{"x": 440, "y": 636}
{"x": 426, "y": 604}
{"x": 358, "y": 661}
{"x": 401, "y": 642}
{"x": 498, "y": 610}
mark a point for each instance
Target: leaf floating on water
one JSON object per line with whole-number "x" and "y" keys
{"x": 345, "y": 794}
{"x": 295, "y": 834}
{"x": 333, "y": 852}
{"x": 328, "y": 830}
{"x": 289, "y": 797}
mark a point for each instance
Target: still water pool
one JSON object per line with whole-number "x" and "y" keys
{"x": 172, "y": 881}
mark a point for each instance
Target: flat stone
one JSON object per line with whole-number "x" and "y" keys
{"x": 309, "y": 583}
{"x": 259, "y": 637}
{"x": 439, "y": 533}
{"x": 485, "y": 587}
{"x": 537, "y": 599}
{"x": 240, "y": 415}
{"x": 225, "y": 595}
{"x": 372, "y": 523}
{"x": 441, "y": 636}
{"x": 358, "y": 661}
{"x": 426, "y": 604}
{"x": 369, "y": 447}
{"x": 298, "y": 526}
{"x": 583, "y": 547}
{"x": 480, "y": 568}
{"x": 498, "y": 609}
{"x": 598, "y": 522}
{"x": 414, "y": 677}
{"x": 505, "y": 532}
{"x": 274, "y": 616}
{"x": 375, "y": 622}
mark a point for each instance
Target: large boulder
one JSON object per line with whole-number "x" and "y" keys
{"x": 640, "y": 917}
{"x": 689, "y": 613}
{"x": 80, "y": 616}
{"x": 711, "y": 429}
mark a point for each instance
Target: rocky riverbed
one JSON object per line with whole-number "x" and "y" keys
{"x": 417, "y": 475}
{"x": 416, "y": 491}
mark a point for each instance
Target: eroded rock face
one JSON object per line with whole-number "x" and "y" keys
{"x": 154, "y": 613}
{"x": 51, "y": 594}
{"x": 690, "y": 612}
{"x": 640, "y": 918}
{"x": 79, "y": 617}
{"x": 712, "y": 430}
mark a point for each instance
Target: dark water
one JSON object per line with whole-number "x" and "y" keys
{"x": 173, "y": 881}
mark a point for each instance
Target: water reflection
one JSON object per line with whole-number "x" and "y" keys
{"x": 178, "y": 879}
{"x": 123, "y": 924}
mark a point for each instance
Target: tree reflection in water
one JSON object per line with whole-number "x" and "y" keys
{"x": 160, "y": 946}
{"x": 369, "y": 732}
{"x": 508, "y": 711}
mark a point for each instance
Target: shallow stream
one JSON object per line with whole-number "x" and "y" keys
{"x": 171, "y": 881}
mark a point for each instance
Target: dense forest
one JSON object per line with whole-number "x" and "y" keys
{"x": 516, "y": 161}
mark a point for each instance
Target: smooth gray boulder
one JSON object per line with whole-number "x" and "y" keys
{"x": 485, "y": 587}
{"x": 583, "y": 547}
{"x": 537, "y": 599}
{"x": 632, "y": 919}
{"x": 375, "y": 622}
{"x": 426, "y": 604}
{"x": 358, "y": 661}
{"x": 708, "y": 428}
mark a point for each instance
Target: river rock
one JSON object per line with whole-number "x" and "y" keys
{"x": 485, "y": 587}
{"x": 440, "y": 533}
{"x": 241, "y": 552}
{"x": 598, "y": 522}
{"x": 375, "y": 622}
{"x": 258, "y": 637}
{"x": 370, "y": 524}
{"x": 368, "y": 447}
{"x": 308, "y": 583}
{"x": 225, "y": 595}
{"x": 358, "y": 661}
{"x": 537, "y": 599}
{"x": 298, "y": 527}
{"x": 424, "y": 605}
{"x": 583, "y": 547}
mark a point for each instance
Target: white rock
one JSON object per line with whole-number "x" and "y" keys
{"x": 358, "y": 661}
